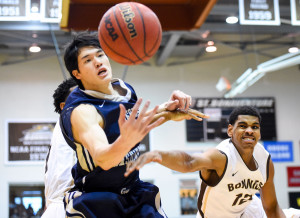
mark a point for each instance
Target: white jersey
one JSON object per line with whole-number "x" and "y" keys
{"x": 58, "y": 178}
{"x": 236, "y": 187}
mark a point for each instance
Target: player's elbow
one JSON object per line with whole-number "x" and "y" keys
{"x": 104, "y": 165}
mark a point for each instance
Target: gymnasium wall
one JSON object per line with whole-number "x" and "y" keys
{"x": 26, "y": 93}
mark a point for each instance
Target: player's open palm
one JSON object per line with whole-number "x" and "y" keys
{"x": 148, "y": 157}
{"x": 134, "y": 129}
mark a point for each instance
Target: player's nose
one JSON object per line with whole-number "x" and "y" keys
{"x": 97, "y": 62}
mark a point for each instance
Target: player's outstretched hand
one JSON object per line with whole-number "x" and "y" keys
{"x": 188, "y": 115}
{"x": 148, "y": 157}
{"x": 178, "y": 115}
{"x": 134, "y": 129}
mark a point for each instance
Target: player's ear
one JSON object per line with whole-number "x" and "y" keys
{"x": 61, "y": 105}
{"x": 229, "y": 130}
{"x": 76, "y": 74}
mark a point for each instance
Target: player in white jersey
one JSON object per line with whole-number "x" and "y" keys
{"x": 232, "y": 173}
{"x": 60, "y": 160}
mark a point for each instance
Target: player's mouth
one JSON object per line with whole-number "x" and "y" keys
{"x": 248, "y": 139}
{"x": 102, "y": 72}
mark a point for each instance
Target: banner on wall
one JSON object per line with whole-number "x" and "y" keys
{"x": 295, "y": 12}
{"x": 214, "y": 129}
{"x": 294, "y": 199}
{"x": 293, "y": 176}
{"x": 263, "y": 12}
{"x": 28, "y": 142}
{"x": 22, "y": 10}
{"x": 280, "y": 151}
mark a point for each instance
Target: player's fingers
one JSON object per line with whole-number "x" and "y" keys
{"x": 197, "y": 113}
{"x": 188, "y": 102}
{"x": 154, "y": 124}
{"x": 135, "y": 110}
{"x": 150, "y": 116}
{"x": 139, "y": 163}
{"x": 144, "y": 110}
{"x": 194, "y": 117}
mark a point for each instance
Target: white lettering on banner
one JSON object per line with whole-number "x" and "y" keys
{"x": 282, "y": 155}
{"x": 9, "y": 11}
{"x": 19, "y": 149}
{"x": 9, "y": 2}
{"x": 235, "y": 102}
{"x": 38, "y": 156}
{"x": 295, "y": 180}
{"x": 271, "y": 148}
{"x": 39, "y": 149}
{"x": 260, "y": 15}
{"x": 296, "y": 172}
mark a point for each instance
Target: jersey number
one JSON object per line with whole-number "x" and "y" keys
{"x": 240, "y": 199}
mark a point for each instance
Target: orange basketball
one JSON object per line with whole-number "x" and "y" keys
{"x": 130, "y": 33}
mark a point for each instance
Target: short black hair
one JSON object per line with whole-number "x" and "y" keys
{"x": 62, "y": 92}
{"x": 243, "y": 110}
{"x": 80, "y": 40}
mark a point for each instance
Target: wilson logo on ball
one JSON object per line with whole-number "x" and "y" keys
{"x": 130, "y": 33}
{"x": 110, "y": 29}
{"x": 128, "y": 16}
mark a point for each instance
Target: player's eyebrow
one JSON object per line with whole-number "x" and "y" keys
{"x": 98, "y": 51}
{"x": 242, "y": 122}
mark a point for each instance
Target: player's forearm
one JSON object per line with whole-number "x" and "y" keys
{"x": 275, "y": 213}
{"x": 111, "y": 155}
{"x": 176, "y": 160}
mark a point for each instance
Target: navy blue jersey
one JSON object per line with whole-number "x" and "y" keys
{"x": 87, "y": 175}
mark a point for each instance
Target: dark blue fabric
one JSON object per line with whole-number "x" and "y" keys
{"x": 138, "y": 203}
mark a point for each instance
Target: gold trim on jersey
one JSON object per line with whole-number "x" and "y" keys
{"x": 204, "y": 202}
{"x": 84, "y": 158}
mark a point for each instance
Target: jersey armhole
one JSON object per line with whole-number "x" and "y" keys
{"x": 66, "y": 137}
{"x": 268, "y": 166}
{"x": 221, "y": 177}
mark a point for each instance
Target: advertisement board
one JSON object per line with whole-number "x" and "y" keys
{"x": 28, "y": 141}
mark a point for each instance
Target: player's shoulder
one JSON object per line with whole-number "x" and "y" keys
{"x": 85, "y": 112}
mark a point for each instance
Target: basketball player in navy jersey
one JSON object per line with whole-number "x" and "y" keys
{"x": 231, "y": 173}
{"x": 101, "y": 121}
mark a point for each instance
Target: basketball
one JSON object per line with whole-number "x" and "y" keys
{"x": 130, "y": 33}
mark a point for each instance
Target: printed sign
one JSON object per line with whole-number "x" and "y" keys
{"x": 294, "y": 198}
{"x": 214, "y": 129}
{"x": 259, "y": 12}
{"x": 295, "y": 12}
{"x": 293, "y": 176}
{"x": 28, "y": 141}
{"x": 280, "y": 151}
{"x": 13, "y": 10}
{"x": 20, "y": 10}
{"x": 51, "y": 11}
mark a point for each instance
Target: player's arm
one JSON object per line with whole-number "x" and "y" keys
{"x": 178, "y": 115}
{"x": 268, "y": 196}
{"x": 181, "y": 161}
{"x": 87, "y": 129}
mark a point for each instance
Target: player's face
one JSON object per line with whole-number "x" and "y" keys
{"x": 94, "y": 68}
{"x": 245, "y": 133}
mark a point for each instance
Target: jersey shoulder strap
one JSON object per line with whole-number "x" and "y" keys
{"x": 68, "y": 140}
